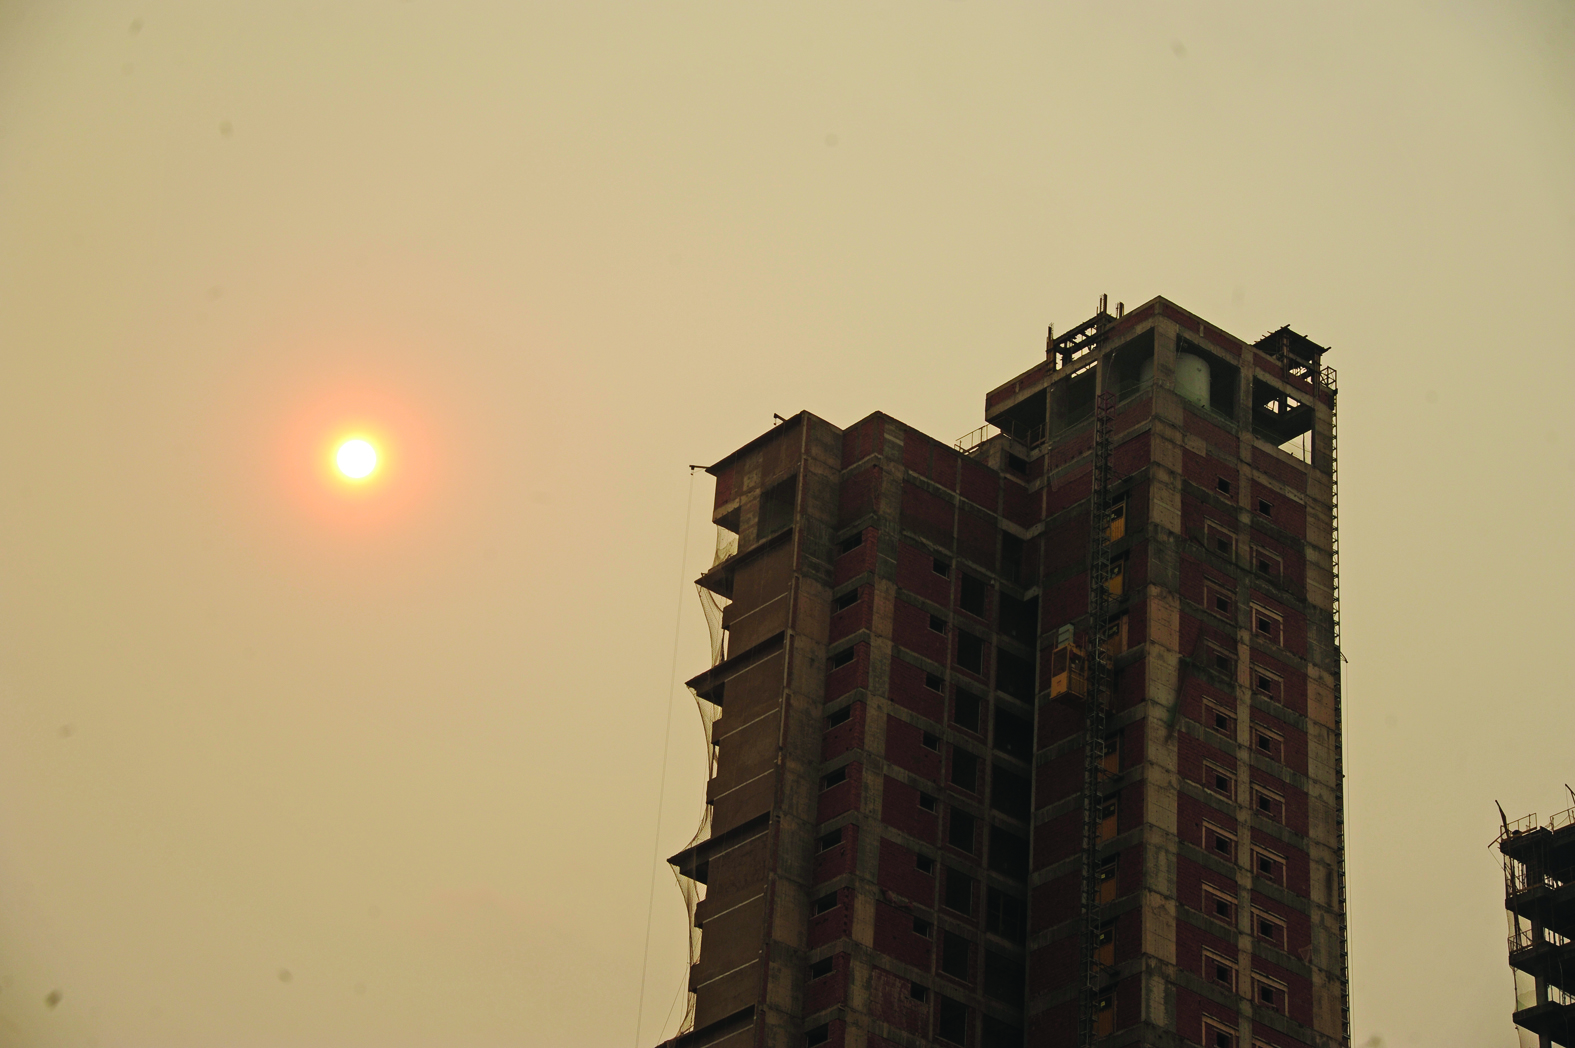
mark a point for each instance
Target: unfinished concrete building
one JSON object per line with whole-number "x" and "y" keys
{"x": 1034, "y": 738}
{"x": 1539, "y": 895}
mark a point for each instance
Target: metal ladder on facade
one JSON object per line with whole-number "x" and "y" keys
{"x": 1329, "y": 381}
{"x": 1094, "y": 774}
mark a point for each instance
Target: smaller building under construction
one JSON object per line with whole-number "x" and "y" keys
{"x": 1539, "y": 893}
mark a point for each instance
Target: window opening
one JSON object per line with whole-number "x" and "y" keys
{"x": 1219, "y": 720}
{"x": 1223, "y": 485}
{"x": 921, "y": 927}
{"x": 825, "y": 904}
{"x": 846, "y": 601}
{"x": 930, "y": 742}
{"x": 830, "y": 840}
{"x": 849, "y": 544}
{"x": 926, "y": 802}
{"x": 841, "y": 658}
{"x": 1219, "y": 842}
{"x": 1219, "y": 781}
{"x": 972, "y": 594}
{"x": 960, "y": 831}
{"x": 941, "y": 567}
{"x": 959, "y": 892}
{"x": 1267, "y": 742}
{"x": 834, "y": 778}
{"x": 965, "y": 710}
{"x": 1219, "y": 905}
{"x": 1219, "y": 540}
{"x": 1217, "y": 1036}
{"x": 1267, "y": 803}
{"x": 965, "y": 770}
{"x": 1266, "y": 507}
{"x": 1268, "y": 928}
{"x": 842, "y": 716}
{"x": 918, "y": 993}
{"x": 1219, "y": 971}
{"x": 1266, "y": 562}
{"x": 821, "y": 969}
{"x": 954, "y": 955}
{"x": 933, "y": 682}
{"x": 819, "y": 1035}
{"x": 924, "y": 864}
{"x": 937, "y": 624}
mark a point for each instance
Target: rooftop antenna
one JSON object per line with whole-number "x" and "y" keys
{"x": 1502, "y": 818}
{"x": 1121, "y": 309}
{"x": 1104, "y": 300}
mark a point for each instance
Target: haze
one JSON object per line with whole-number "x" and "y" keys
{"x": 284, "y": 768}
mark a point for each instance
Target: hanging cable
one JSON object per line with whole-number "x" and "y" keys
{"x": 667, "y": 732}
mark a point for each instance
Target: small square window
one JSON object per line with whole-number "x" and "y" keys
{"x": 1223, "y": 485}
{"x": 1219, "y": 971}
{"x": 924, "y": 864}
{"x": 851, "y": 543}
{"x": 1219, "y": 842}
{"x": 1268, "y": 743}
{"x": 1270, "y": 867}
{"x": 1222, "y": 604}
{"x": 918, "y": 993}
{"x": 1219, "y": 720}
{"x": 1268, "y": 928}
{"x": 1266, "y": 507}
{"x": 1266, "y": 684}
{"x": 821, "y": 969}
{"x": 1265, "y": 562}
{"x": 1219, "y": 781}
{"x": 830, "y": 840}
{"x": 1219, "y": 539}
{"x": 926, "y": 802}
{"x": 1222, "y": 661}
{"x": 846, "y": 601}
{"x": 941, "y": 567}
{"x": 933, "y": 682}
{"x": 841, "y": 658}
{"x": 819, "y": 1035}
{"x": 834, "y": 778}
{"x": 930, "y": 742}
{"x": 1217, "y": 1036}
{"x": 921, "y": 927}
{"x": 1219, "y": 905}
{"x": 1269, "y": 804}
{"x": 842, "y": 716}
{"x": 1270, "y": 994}
{"x": 937, "y": 624}
{"x": 825, "y": 904}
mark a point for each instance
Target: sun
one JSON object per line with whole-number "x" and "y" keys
{"x": 356, "y": 459}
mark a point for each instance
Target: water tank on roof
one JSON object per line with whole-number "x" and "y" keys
{"x": 1192, "y": 378}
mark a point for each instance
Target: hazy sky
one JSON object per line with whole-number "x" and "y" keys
{"x": 283, "y": 767}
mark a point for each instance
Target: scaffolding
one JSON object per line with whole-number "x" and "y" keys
{"x": 1539, "y": 900}
{"x": 1096, "y": 707}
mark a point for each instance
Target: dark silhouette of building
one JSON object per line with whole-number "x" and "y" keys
{"x": 1033, "y": 738}
{"x": 1539, "y": 893}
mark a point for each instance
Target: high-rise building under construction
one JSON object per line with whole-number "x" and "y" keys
{"x": 1034, "y": 738}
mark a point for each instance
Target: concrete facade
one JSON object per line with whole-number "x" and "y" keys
{"x": 895, "y": 850}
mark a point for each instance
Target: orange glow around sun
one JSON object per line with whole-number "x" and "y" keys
{"x": 356, "y": 457}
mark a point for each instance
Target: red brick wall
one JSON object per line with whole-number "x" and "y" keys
{"x": 905, "y": 749}
{"x": 900, "y": 810}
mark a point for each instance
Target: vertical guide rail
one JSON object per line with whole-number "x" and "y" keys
{"x": 1094, "y": 705}
{"x": 1330, "y": 383}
